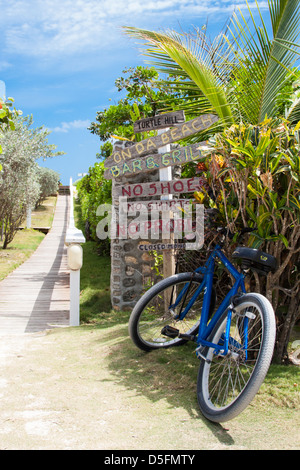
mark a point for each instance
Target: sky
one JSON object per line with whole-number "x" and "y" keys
{"x": 59, "y": 60}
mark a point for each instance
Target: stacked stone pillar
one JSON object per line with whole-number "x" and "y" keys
{"x": 130, "y": 267}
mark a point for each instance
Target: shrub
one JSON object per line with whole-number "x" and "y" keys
{"x": 93, "y": 190}
{"x": 254, "y": 173}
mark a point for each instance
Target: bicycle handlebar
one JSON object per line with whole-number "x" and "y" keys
{"x": 212, "y": 215}
{"x": 226, "y": 231}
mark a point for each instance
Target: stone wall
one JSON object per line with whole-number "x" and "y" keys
{"x": 131, "y": 268}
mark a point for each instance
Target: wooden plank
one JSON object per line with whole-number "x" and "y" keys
{"x": 160, "y": 121}
{"x": 164, "y": 226}
{"x": 156, "y": 205}
{"x": 188, "y": 185}
{"x": 162, "y": 246}
{"x": 36, "y": 295}
{"x": 156, "y": 161}
{"x": 148, "y": 146}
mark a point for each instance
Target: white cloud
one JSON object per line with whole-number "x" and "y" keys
{"x": 51, "y": 27}
{"x": 4, "y": 65}
{"x": 68, "y": 126}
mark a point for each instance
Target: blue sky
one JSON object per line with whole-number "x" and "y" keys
{"x": 59, "y": 60}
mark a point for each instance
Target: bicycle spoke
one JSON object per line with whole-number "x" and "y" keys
{"x": 164, "y": 308}
{"x": 229, "y": 375}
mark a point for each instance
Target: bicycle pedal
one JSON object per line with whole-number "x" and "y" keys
{"x": 170, "y": 331}
{"x": 186, "y": 337}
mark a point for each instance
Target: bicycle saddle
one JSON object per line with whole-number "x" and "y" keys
{"x": 255, "y": 259}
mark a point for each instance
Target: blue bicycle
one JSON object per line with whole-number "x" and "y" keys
{"x": 235, "y": 343}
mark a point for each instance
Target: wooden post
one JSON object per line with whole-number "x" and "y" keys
{"x": 165, "y": 174}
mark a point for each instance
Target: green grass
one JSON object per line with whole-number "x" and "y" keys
{"x": 166, "y": 375}
{"x": 95, "y": 304}
{"x": 163, "y": 372}
{"x": 43, "y": 215}
{"x": 19, "y": 250}
{"x": 281, "y": 387}
{"x": 26, "y": 241}
{"x": 157, "y": 387}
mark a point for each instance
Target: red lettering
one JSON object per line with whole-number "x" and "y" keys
{"x": 153, "y": 186}
{"x": 157, "y": 225}
{"x": 137, "y": 190}
{"x": 190, "y": 184}
{"x": 132, "y": 228}
{"x": 178, "y": 186}
{"x": 122, "y": 231}
{"x": 165, "y": 186}
{"x": 126, "y": 191}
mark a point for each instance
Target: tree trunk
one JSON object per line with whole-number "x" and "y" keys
{"x": 284, "y": 330}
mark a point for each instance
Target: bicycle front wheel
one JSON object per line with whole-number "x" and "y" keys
{"x": 227, "y": 384}
{"x": 154, "y": 311}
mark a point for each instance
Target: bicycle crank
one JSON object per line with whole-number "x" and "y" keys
{"x": 172, "y": 332}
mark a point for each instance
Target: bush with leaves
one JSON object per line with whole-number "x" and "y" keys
{"x": 254, "y": 175}
{"x": 244, "y": 75}
{"x": 19, "y": 189}
{"x": 5, "y": 118}
{"x": 92, "y": 191}
{"x": 19, "y": 178}
{"x": 48, "y": 180}
{"x": 146, "y": 94}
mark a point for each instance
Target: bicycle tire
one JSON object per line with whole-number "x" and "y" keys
{"x": 238, "y": 376}
{"x": 151, "y": 314}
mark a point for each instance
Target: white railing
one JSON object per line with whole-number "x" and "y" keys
{"x": 74, "y": 239}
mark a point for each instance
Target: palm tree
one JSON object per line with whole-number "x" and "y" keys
{"x": 239, "y": 74}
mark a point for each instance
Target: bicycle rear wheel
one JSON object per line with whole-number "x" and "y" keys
{"x": 226, "y": 385}
{"x": 152, "y": 312}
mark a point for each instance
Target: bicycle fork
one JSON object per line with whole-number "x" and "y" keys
{"x": 227, "y": 346}
{"x": 219, "y": 349}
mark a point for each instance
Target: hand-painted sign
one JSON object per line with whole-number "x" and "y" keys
{"x": 154, "y": 162}
{"x": 158, "y": 205}
{"x": 152, "y": 144}
{"x": 162, "y": 246}
{"x": 159, "y": 188}
{"x": 160, "y": 121}
{"x": 142, "y": 228}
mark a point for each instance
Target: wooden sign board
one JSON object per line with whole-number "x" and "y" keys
{"x": 170, "y": 246}
{"x": 159, "y": 188}
{"x": 156, "y": 161}
{"x": 163, "y": 246}
{"x": 156, "y": 205}
{"x": 160, "y": 121}
{"x": 158, "y": 228}
{"x": 148, "y": 146}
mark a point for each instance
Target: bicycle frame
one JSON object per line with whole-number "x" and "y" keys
{"x": 206, "y": 328}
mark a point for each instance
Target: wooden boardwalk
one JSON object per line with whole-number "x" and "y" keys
{"x": 36, "y": 296}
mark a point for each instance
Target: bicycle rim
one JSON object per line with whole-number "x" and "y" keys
{"x": 154, "y": 313}
{"x": 226, "y": 385}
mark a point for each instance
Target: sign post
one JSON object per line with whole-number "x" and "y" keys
{"x": 159, "y": 188}
{"x": 142, "y": 173}
{"x": 160, "y": 121}
{"x": 123, "y": 158}
{"x": 163, "y": 159}
{"x": 165, "y": 174}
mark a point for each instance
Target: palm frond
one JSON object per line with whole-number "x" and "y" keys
{"x": 263, "y": 61}
{"x": 293, "y": 112}
{"x": 241, "y": 73}
{"x": 180, "y": 54}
